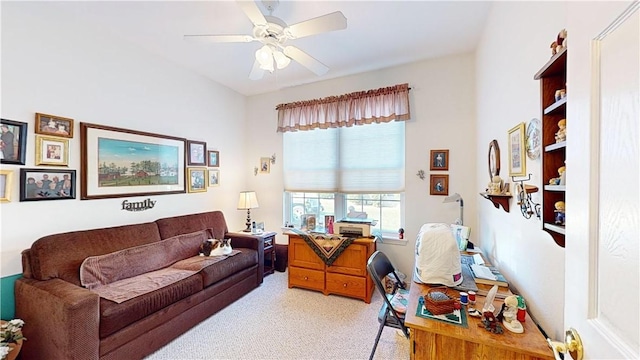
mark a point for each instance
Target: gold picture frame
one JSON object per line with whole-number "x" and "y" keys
{"x": 197, "y": 179}
{"x": 439, "y": 160}
{"x": 52, "y": 151}
{"x": 6, "y": 184}
{"x": 517, "y": 151}
{"x": 54, "y": 125}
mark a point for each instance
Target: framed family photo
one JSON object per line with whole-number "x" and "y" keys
{"x": 54, "y": 125}
{"x": 439, "y": 160}
{"x": 6, "y": 184}
{"x": 13, "y": 142}
{"x": 119, "y": 162}
{"x": 52, "y": 151}
{"x": 197, "y": 179}
{"x": 197, "y": 151}
{"x": 439, "y": 185}
{"x": 517, "y": 151}
{"x": 47, "y": 184}
{"x": 265, "y": 165}
{"x": 213, "y": 158}
{"x": 214, "y": 177}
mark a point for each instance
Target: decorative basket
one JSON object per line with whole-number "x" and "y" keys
{"x": 438, "y": 302}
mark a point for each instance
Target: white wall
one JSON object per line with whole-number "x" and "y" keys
{"x": 442, "y": 104}
{"x": 514, "y": 46}
{"x": 57, "y": 66}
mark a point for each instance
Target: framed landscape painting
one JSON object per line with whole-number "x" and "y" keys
{"x": 120, "y": 162}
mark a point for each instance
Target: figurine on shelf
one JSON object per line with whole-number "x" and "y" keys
{"x": 490, "y": 323}
{"x": 510, "y": 314}
{"x": 495, "y": 186}
{"x": 559, "y": 205}
{"x": 560, "y": 180}
{"x": 561, "y": 135}
{"x": 561, "y": 40}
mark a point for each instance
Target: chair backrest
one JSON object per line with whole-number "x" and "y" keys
{"x": 379, "y": 266}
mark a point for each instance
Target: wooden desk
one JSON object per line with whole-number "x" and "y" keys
{"x": 432, "y": 339}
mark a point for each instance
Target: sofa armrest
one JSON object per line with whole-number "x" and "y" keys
{"x": 246, "y": 240}
{"x": 62, "y": 320}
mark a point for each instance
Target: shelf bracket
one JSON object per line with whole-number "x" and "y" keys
{"x": 498, "y": 200}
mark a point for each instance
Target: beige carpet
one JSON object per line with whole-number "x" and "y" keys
{"x": 275, "y": 322}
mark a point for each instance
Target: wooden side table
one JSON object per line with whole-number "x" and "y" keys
{"x": 269, "y": 252}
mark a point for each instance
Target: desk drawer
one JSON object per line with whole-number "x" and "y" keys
{"x": 306, "y": 278}
{"x": 353, "y": 286}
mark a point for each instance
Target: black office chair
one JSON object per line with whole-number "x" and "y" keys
{"x": 379, "y": 267}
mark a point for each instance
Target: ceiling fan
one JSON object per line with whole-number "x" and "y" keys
{"x": 273, "y": 33}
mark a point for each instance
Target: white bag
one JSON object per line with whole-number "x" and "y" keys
{"x": 437, "y": 256}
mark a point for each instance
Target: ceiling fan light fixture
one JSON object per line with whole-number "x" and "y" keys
{"x": 282, "y": 60}
{"x": 264, "y": 55}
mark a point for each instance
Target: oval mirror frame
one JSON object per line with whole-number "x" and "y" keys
{"x": 494, "y": 159}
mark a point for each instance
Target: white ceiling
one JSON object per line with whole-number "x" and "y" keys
{"x": 379, "y": 34}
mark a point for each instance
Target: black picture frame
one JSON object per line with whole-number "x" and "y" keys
{"x": 18, "y": 136}
{"x": 196, "y": 153}
{"x": 40, "y": 184}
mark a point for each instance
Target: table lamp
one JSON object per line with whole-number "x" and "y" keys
{"x": 247, "y": 201}
{"x": 456, "y": 198}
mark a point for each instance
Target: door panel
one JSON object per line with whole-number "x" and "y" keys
{"x": 603, "y": 202}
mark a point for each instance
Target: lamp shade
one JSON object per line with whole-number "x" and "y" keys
{"x": 248, "y": 200}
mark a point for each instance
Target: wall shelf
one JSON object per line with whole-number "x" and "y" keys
{"x": 498, "y": 200}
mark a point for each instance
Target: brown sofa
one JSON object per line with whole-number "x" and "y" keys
{"x": 66, "y": 320}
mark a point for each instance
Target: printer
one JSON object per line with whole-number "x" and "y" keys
{"x": 353, "y": 228}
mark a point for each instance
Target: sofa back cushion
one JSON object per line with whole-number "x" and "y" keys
{"x": 185, "y": 224}
{"x": 123, "y": 264}
{"x": 60, "y": 255}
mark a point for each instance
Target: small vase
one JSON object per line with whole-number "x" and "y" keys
{"x": 14, "y": 350}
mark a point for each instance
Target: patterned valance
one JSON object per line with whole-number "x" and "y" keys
{"x": 358, "y": 108}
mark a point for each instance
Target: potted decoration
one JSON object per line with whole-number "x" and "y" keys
{"x": 11, "y": 339}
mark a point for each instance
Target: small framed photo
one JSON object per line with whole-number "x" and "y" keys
{"x": 52, "y": 151}
{"x": 439, "y": 185}
{"x": 13, "y": 142}
{"x": 439, "y": 160}
{"x": 197, "y": 151}
{"x": 265, "y": 165}
{"x": 517, "y": 151}
{"x": 214, "y": 177}
{"x": 213, "y": 158}
{"x": 6, "y": 182}
{"x": 197, "y": 179}
{"x": 47, "y": 184}
{"x": 54, "y": 125}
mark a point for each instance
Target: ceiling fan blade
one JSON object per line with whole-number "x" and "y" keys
{"x": 256, "y": 73}
{"x": 325, "y": 23}
{"x": 306, "y": 60}
{"x": 252, "y": 11}
{"x": 219, "y": 38}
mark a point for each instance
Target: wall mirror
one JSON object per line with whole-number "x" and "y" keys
{"x": 494, "y": 159}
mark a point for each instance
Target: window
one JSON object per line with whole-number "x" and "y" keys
{"x": 386, "y": 209}
{"x": 335, "y": 171}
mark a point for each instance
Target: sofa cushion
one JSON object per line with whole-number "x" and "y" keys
{"x": 214, "y": 271}
{"x": 101, "y": 270}
{"x": 60, "y": 255}
{"x": 184, "y": 224}
{"x": 125, "y": 289}
{"x": 114, "y": 316}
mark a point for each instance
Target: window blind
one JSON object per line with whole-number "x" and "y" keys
{"x": 359, "y": 159}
